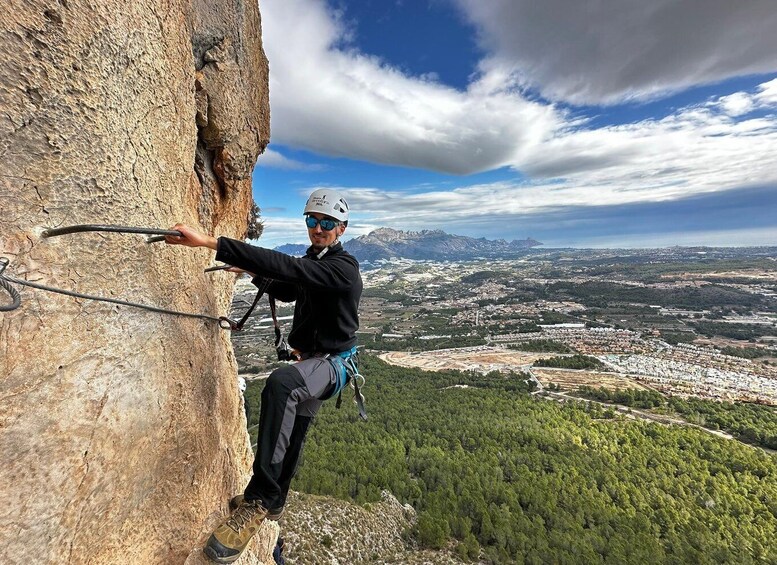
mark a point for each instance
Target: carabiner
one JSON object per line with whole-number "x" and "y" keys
{"x": 228, "y": 324}
{"x": 355, "y": 383}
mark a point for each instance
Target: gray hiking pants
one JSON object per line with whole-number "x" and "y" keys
{"x": 291, "y": 398}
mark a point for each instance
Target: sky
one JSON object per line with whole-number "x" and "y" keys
{"x": 593, "y": 123}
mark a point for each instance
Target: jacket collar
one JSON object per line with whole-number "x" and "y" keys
{"x": 334, "y": 248}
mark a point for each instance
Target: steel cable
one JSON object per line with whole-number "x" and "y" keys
{"x": 4, "y": 278}
{"x": 52, "y": 232}
{"x": 16, "y": 299}
{"x": 223, "y": 321}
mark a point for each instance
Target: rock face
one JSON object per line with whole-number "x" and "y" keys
{"x": 121, "y": 431}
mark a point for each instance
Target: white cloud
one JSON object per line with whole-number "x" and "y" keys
{"x": 328, "y": 97}
{"x": 695, "y": 150}
{"x": 275, "y": 160}
{"x": 605, "y": 51}
{"x": 332, "y": 99}
{"x": 737, "y": 104}
{"x": 712, "y": 238}
{"x": 700, "y": 149}
{"x": 767, "y": 94}
{"x": 280, "y": 230}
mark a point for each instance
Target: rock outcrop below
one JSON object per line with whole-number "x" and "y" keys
{"x": 321, "y": 529}
{"x": 122, "y": 433}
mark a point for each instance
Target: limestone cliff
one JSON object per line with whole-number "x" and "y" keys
{"x": 121, "y": 431}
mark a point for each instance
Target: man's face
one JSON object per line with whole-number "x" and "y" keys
{"x": 321, "y": 238}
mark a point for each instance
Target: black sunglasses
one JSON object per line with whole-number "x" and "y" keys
{"x": 326, "y": 223}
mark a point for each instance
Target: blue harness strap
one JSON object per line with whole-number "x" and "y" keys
{"x": 346, "y": 368}
{"x": 340, "y": 363}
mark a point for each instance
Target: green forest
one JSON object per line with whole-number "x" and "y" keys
{"x": 541, "y": 345}
{"x": 511, "y": 478}
{"x": 751, "y": 423}
{"x": 596, "y": 293}
{"x": 576, "y": 361}
{"x": 748, "y": 352}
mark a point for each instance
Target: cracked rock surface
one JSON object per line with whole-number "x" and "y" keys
{"x": 122, "y": 433}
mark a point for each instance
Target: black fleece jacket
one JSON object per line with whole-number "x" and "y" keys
{"x": 327, "y": 291}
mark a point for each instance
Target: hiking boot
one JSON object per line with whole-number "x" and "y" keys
{"x": 273, "y": 514}
{"x": 231, "y": 537}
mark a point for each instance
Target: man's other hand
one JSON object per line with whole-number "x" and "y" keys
{"x": 240, "y": 271}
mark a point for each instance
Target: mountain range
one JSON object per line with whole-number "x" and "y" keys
{"x": 436, "y": 245}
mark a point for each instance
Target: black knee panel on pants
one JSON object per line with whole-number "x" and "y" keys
{"x": 282, "y": 381}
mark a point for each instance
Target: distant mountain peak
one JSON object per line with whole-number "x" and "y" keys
{"x": 399, "y": 234}
{"x": 385, "y": 243}
{"x": 435, "y": 245}
{"x": 293, "y": 248}
{"x": 385, "y": 231}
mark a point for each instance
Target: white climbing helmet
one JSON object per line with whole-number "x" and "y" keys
{"x": 329, "y": 202}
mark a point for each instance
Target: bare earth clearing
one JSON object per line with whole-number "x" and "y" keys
{"x": 485, "y": 359}
{"x": 571, "y": 380}
{"x": 480, "y": 359}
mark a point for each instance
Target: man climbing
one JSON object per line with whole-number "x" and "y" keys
{"x": 326, "y": 286}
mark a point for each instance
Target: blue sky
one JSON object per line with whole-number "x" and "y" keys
{"x": 594, "y": 123}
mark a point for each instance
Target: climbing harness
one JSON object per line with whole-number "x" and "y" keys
{"x": 223, "y": 321}
{"x": 346, "y": 364}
